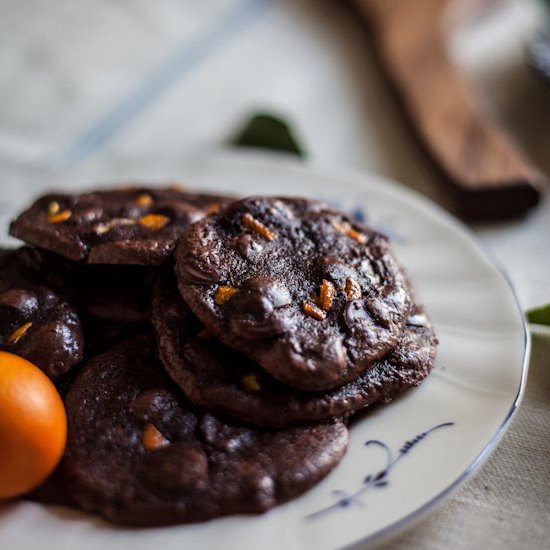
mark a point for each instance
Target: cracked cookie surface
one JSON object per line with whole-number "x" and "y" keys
{"x": 139, "y": 453}
{"x": 314, "y": 297}
{"x": 219, "y": 378}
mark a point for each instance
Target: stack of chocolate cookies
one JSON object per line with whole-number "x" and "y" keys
{"x": 210, "y": 351}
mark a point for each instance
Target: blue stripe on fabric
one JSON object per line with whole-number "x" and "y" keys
{"x": 185, "y": 57}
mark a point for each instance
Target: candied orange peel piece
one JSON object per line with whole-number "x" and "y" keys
{"x": 144, "y": 200}
{"x": 257, "y": 226}
{"x": 213, "y": 208}
{"x": 19, "y": 333}
{"x": 314, "y": 311}
{"x": 53, "y": 208}
{"x": 224, "y": 293}
{"x": 347, "y": 229}
{"x": 155, "y": 222}
{"x": 60, "y": 216}
{"x": 251, "y": 383}
{"x": 326, "y": 295}
{"x": 152, "y": 439}
{"x": 353, "y": 289}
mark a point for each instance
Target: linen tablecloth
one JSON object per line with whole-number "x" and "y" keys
{"x": 115, "y": 80}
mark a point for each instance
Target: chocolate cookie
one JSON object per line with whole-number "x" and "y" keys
{"x": 36, "y": 322}
{"x": 138, "y": 453}
{"x": 127, "y": 226}
{"x": 116, "y": 294}
{"x": 216, "y": 377}
{"x": 52, "y": 491}
{"x": 312, "y": 296}
{"x": 113, "y": 294}
{"x": 100, "y": 336}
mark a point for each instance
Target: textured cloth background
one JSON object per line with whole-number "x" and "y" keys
{"x": 110, "y": 81}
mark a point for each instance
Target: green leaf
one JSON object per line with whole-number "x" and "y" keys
{"x": 267, "y": 131}
{"x": 539, "y": 315}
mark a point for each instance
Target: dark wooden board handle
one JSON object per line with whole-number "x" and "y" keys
{"x": 488, "y": 175}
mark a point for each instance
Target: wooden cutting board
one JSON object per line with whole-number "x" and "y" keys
{"x": 488, "y": 177}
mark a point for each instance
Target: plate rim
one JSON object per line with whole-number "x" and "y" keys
{"x": 354, "y": 177}
{"x": 358, "y": 179}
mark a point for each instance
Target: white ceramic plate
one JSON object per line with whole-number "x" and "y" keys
{"x": 427, "y": 441}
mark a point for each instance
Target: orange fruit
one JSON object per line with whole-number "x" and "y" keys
{"x": 33, "y": 426}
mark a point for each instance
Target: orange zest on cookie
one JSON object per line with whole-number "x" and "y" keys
{"x": 155, "y": 222}
{"x": 53, "y": 208}
{"x": 60, "y": 217}
{"x": 144, "y": 200}
{"x": 258, "y": 227}
{"x": 346, "y": 229}
{"x": 224, "y": 293}
{"x": 152, "y": 439}
{"x": 314, "y": 311}
{"x": 326, "y": 295}
{"x": 19, "y": 333}
{"x": 353, "y": 290}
